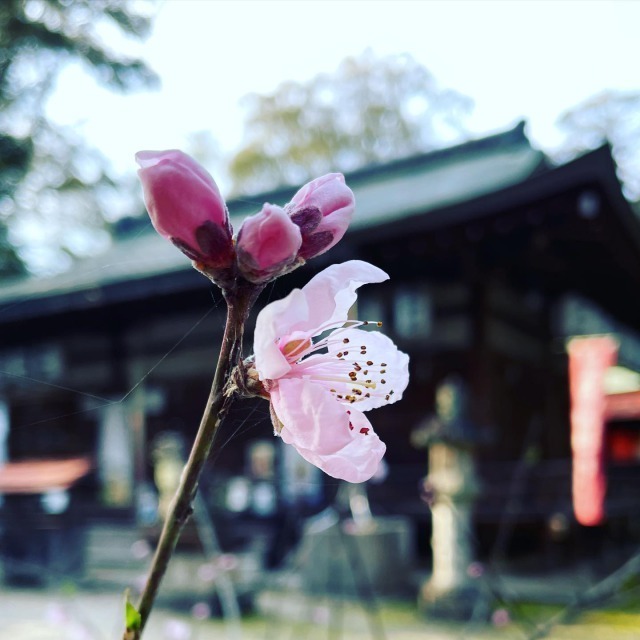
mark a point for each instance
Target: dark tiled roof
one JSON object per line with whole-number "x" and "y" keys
{"x": 384, "y": 193}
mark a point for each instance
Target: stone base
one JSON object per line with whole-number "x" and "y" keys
{"x": 462, "y": 603}
{"x": 377, "y": 557}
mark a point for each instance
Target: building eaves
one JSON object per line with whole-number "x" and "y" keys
{"x": 384, "y": 194}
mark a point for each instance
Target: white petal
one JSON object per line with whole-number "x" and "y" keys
{"x": 345, "y": 370}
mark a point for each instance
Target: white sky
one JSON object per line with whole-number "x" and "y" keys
{"x": 516, "y": 59}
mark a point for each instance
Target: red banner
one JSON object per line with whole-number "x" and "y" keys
{"x": 589, "y": 358}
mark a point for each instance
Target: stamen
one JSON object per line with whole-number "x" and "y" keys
{"x": 314, "y": 358}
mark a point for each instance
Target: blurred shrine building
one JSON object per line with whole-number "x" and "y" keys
{"x": 497, "y": 258}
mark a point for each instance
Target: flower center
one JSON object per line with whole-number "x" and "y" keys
{"x": 349, "y": 372}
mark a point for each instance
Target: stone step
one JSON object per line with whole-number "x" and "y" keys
{"x": 115, "y": 546}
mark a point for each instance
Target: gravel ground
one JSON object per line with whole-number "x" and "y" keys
{"x": 32, "y": 614}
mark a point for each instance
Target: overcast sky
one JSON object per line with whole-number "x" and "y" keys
{"x": 516, "y": 59}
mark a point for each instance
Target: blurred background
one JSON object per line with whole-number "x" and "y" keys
{"x": 494, "y": 151}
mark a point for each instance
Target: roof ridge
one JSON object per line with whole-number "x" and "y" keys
{"x": 512, "y": 137}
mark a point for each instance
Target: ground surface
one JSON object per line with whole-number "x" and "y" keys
{"x": 33, "y": 614}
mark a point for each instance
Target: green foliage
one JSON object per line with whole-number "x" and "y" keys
{"x": 371, "y": 110}
{"x": 609, "y": 116}
{"x": 39, "y": 162}
{"x": 132, "y": 618}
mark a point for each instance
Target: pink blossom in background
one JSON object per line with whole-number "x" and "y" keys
{"x": 500, "y": 618}
{"x": 322, "y": 371}
{"x": 268, "y": 242}
{"x": 201, "y": 611}
{"x": 185, "y": 206}
{"x": 323, "y": 209}
{"x": 175, "y": 629}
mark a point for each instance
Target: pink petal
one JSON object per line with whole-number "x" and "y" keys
{"x": 311, "y": 417}
{"x": 185, "y": 205}
{"x": 360, "y": 459}
{"x": 332, "y": 292}
{"x": 274, "y": 321}
{"x": 336, "y": 224}
{"x": 326, "y": 298}
{"x": 319, "y": 428}
{"x": 335, "y": 201}
{"x": 329, "y": 193}
{"x": 146, "y": 159}
{"x": 267, "y": 241}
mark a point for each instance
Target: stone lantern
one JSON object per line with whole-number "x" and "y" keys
{"x": 450, "y": 489}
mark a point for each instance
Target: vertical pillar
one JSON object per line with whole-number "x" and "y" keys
{"x": 137, "y": 420}
{"x": 4, "y": 431}
{"x": 115, "y": 456}
{"x": 450, "y": 592}
{"x": 452, "y": 477}
{"x": 4, "y": 436}
{"x": 138, "y": 405}
{"x": 453, "y": 483}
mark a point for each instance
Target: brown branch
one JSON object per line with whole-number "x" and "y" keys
{"x": 239, "y": 303}
{"x": 598, "y": 593}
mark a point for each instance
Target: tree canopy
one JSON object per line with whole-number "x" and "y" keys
{"x": 609, "y": 116}
{"x": 46, "y": 171}
{"x": 371, "y": 110}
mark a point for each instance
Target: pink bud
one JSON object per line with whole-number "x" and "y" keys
{"x": 186, "y": 207}
{"x": 268, "y": 243}
{"x": 322, "y": 209}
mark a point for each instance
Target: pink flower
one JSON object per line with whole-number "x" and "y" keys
{"x": 500, "y": 618}
{"x": 267, "y": 244}
{"x": 322, "y": 209}
{"x": 319, "y": 384}
{"x": 186, "y": 207}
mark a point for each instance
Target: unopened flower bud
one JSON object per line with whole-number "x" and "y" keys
{"x": 186, "y": 207}
{"x": 268, "y": 243}
{"x": 323, "y": 209}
